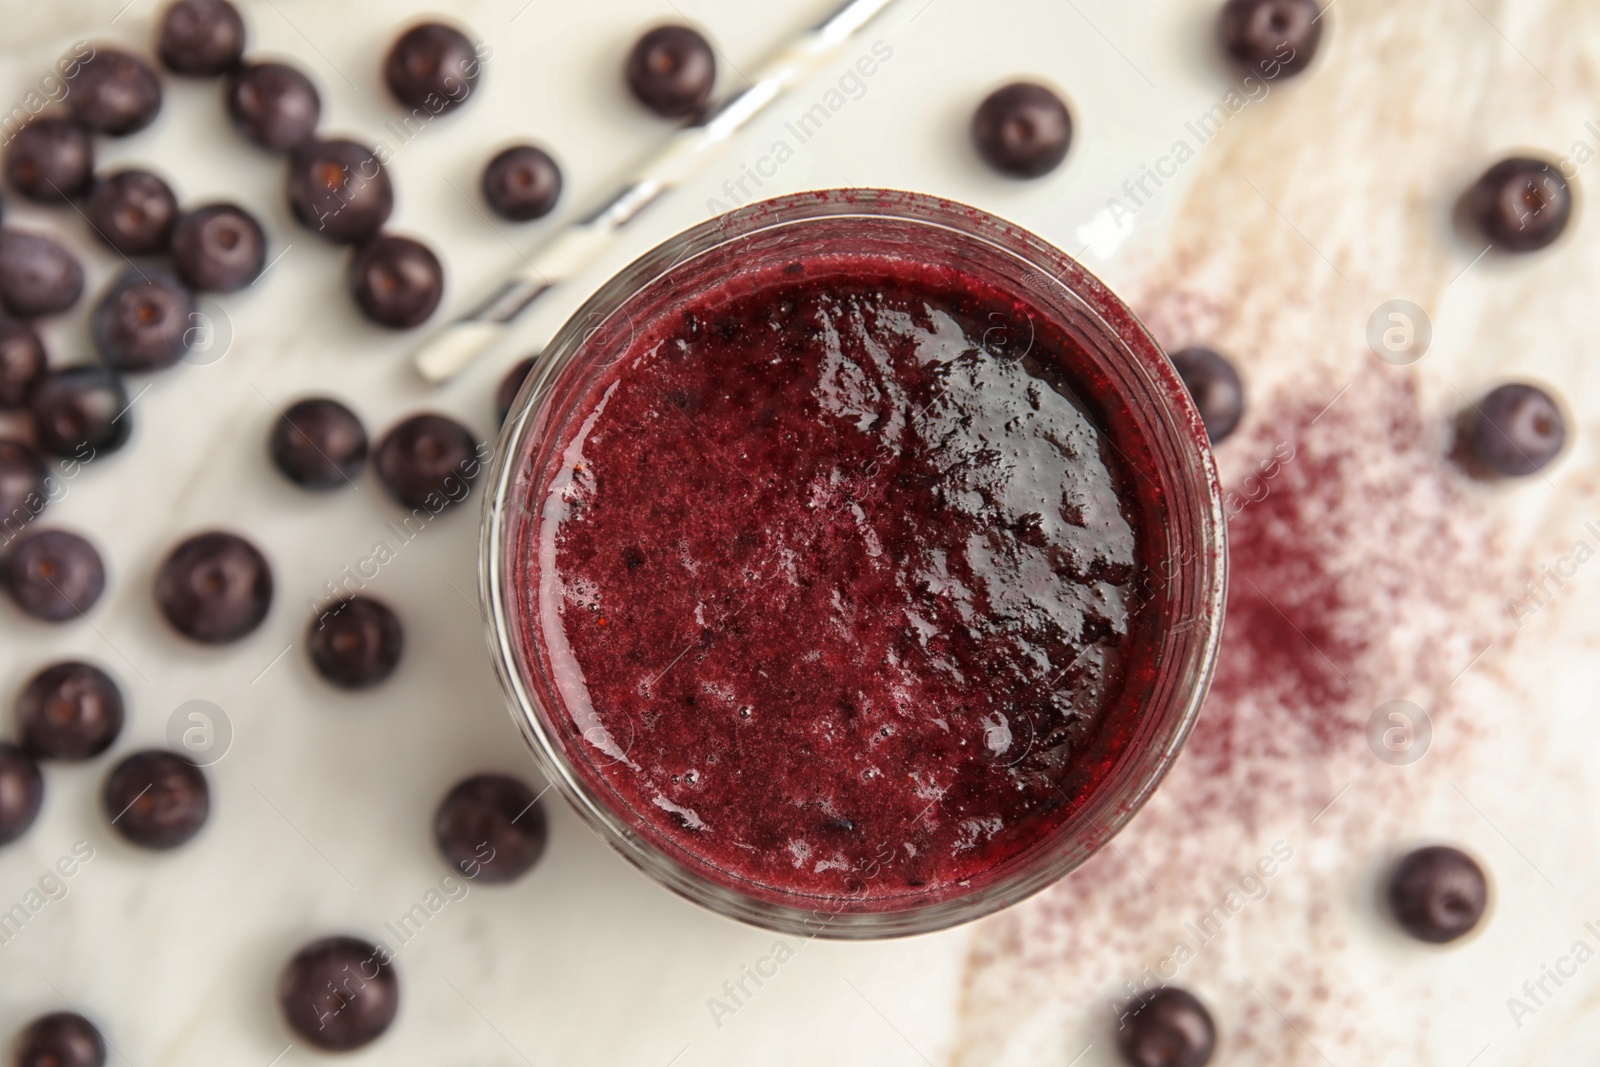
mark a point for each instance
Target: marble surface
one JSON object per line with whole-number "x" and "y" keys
{"x": 1292, "y": 218}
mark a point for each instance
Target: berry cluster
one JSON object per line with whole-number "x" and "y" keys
{"x": 216, "y": 587}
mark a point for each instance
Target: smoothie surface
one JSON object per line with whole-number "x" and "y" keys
{"x": 835, "y": 577}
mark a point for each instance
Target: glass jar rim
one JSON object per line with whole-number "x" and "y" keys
{"x": 1192, "y": 652}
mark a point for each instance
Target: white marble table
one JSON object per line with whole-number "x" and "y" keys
{"x": 1313, "y": 204}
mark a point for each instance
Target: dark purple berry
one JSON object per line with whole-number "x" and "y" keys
{"x": 432, "y": 67}
{"x": 157, "y": 799}
{"x": 428, "y": 461}
{"x": 218, "y": 248}
{"x": 21, "y": 792}
{"x": 522, "y": 183}
{"x": 491, "y": 828}
{"x": 134, "y": 212}
{"x": 319, "y": 444}
{"x": 214, "y": 588}
{"x": 1438, "y": 894}
{"x": 274, "y": 105}
{"x": 22, "y": 363}
{"x": 37, "y": 275}
{"x": 53, "y": 575}
{"x": 339, "y": 190}
{"x": 201, "y": 38}
{"x": 671, "y": 71}
{"x": 24, "y": 487}
{"x": 143, "y": 321}
{"x": 356, "y": 642}
{"x": 1271, "y": 38}
{"x": 1022, "y": 129}
{"x": 339, "y": 993}
{"x": 62, "y": 1039}
{"x": 1520, "y": 205}
{"x": 69, "y": 711}
{"x": 397, "y": 282}
{"x": 1514, "y": 431}
{"x": 505, "y": 393}
{"x": 1218, "y": 393}
{"x": 50, "y": 159}
{"x": 1166, "y": 1028}
{"x": 114, "y": 92}
{"x": 81, "y": 412}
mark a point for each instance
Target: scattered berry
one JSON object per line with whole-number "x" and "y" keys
{"x": 1515, "y": 431}
{"x": 671, "y": 71}
{"x": 114, "y": 92}
{"x": 339, "y": 190}
{"x": 356, "y": 642}
{"x": 81, "y": 412}
{"x": 522, "y": 183}
{"x": 21, "y": 792}
{"x": 1271, "y": 38}
{"x": 1218, "y": 393}
{"x": 274, "y": 105}
{"x": 319, "y": 444}
{"x": 157, "y": 799}
{"x": 491, "y": 828}
{"x": 201, "y": 38}
{"x": 397, "y": 282}
{"x": 69, "y": 711}
{"x": 1520, "y": 205}
{"x": 24, "y": 487}
{"x": 22, "y": 363}
{"x": 214, "y": 588}
{"x": 428, "y": 461}
{"x": 218, "y": 248}
{"x": 433, "y": 67}
{"x": 50, "y": 159}
{"x": 61, "y": 1040}
{"x": 53, "y": 575}
{"x": 1022, "y": 129}
{"x": 1167, "y": 1028}
{"x": 1438, "y": 894}
{"x": 143, "y": 321}
{"x": 37, "y": 275}
{"x": 505, "y": 393}
{"x": 339, "y": 993}
{"x": 134, "y": 212}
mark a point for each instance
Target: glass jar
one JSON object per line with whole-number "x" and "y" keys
{"x": 1119, "y": 375}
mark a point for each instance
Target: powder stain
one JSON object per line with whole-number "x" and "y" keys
{"x": 1365, "y": 568}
